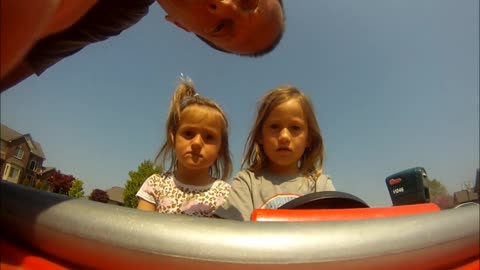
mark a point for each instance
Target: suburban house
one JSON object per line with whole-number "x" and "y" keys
{"x": 42, "y": 178}
{"x": 115, "y": 195}
{"x": 476, "y": 188}
{"x": 468, "y": 194}
{"x": 21, "y": 158}
{"x": 463, "y": 196}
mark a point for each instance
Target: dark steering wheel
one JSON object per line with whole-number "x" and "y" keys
{"x": 325, "y": 200}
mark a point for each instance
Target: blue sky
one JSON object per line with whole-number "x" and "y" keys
{"x": 395, "y": 85}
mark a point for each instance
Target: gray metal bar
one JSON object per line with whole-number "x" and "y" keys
{"x": 95, "y": 234}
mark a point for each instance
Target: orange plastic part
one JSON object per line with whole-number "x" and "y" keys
{"x": 305, "y": 215}
{"x": 15, "y": 257}
{"x": 472, "y": 265}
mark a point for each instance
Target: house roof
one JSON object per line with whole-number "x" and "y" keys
{"x": 47, "y": 169}
{"x": 9, "y": 135}
{"x": 477, "y": 184}
{"x": 15, "y": 161}
{"x": 115, "y": 194}
{"x": 464, "y": 196}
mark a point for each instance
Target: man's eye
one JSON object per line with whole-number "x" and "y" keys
{"x": 219, "y": 28}
{"x": 248, "y": 5}
{"x": 223, "y": 27}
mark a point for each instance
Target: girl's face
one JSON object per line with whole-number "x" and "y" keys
{"x": 284, "y": 137}
{"x": 198, "y": 139}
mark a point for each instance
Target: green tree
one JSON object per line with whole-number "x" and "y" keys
{"x": 436, "y": 188}
{"x": 146, "y": 169}
{"x": 439, "y": 194}
{"x": 76, "y": 191}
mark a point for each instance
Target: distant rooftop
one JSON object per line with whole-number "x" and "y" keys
{"x": 115, "y": 194}
{"x": 7, "y": 134}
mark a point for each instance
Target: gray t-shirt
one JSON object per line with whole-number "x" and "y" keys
{"x": 262, "y": 190}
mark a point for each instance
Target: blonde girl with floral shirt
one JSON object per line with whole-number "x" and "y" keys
{"x": 196, "y": 153}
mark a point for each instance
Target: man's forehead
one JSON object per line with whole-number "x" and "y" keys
{"x": 260, "y": 32}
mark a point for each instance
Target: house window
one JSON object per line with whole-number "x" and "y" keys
{"x": 33, "y": 165}
{"x": 13, "y": 173}
{"x": 19, "y": 153}
{"x": 6, "y": 172}
{"x": 30, "y": 180}
{"x": 3, "y": 146}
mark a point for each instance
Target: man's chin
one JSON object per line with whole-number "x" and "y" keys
{"x": 241, "y": 50}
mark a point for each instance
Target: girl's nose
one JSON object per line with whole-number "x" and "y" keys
{"x": 197, "y": 140}
{"x": 284, "y": 135}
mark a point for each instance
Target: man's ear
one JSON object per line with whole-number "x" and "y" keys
{"x": 169, "y": 19}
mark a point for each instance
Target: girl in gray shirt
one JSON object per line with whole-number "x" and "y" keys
{"x": 283, "y": 159}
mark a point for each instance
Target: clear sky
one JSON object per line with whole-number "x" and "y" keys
{"x": 395, "y": 85}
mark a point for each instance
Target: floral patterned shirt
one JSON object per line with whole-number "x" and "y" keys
{"x": 173, "y": 197}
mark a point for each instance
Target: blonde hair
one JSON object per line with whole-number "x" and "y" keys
{"x": 311, "y": 162}
{"x": 184, "y": 96}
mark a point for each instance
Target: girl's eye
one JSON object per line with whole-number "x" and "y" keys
{"x": 188, "y": 134}
{"x": 296, "y": 128}
{"x": 210, "y": 137}
{"x": 274, "y": 126}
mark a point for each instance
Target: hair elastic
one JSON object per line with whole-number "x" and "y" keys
{"x": 185, "y": 79}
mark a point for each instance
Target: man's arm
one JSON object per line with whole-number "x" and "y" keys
{"x": 21, "y": 24}
{"x": 105, "y": 19}
{"x": 19, "y": 73}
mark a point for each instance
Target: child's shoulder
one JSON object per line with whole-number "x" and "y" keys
{"x": 220, "y": 187}
{"x": 324, "y": 177}
{"x": 219, "y": 183}
{"x": 160, "y": 177}
{"x": 324, "y": 183}
{"x": 246, "y": 174}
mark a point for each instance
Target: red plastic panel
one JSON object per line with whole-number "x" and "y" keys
{"x": 15, "y": 257}
{"x": 305, "y": 215}
{"x": 473, "y": 265}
